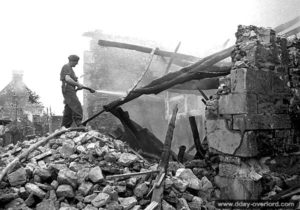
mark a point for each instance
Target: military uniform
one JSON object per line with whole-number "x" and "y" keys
{"x": 73, "y": 108}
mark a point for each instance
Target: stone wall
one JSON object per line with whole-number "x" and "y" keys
{"x": 250, "y": 116}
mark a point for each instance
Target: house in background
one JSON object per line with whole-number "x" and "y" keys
{"x": 17, "y": 100}
{"x": 20, "y": 106}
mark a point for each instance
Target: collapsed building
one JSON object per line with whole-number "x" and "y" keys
{"x": 115, "y": 69}
{"x": 251, "y": 123}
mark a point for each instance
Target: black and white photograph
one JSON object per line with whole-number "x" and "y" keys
{"x": 155, "y": 105}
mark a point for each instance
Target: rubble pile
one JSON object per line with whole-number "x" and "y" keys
{"x": 72, "y": 172}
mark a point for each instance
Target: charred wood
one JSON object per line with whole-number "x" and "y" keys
{"x": 200, "y": 151}
{"x": 181, "y": 152}
{"x": 158, "y": 187}
{"x": 163, "y": 53}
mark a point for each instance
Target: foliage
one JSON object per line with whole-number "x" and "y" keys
{"x": 33, "y": 97}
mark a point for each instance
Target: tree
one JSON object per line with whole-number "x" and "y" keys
{"x": 33, "y": 97}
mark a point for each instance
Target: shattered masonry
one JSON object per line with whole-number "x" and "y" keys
{"x": 250, "y": 117}
{"x": 71, "y": 172}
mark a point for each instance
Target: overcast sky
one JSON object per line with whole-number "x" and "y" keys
{"x": 38, "y": 35}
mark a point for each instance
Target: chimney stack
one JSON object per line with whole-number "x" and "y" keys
{"x": 17, "y": 75}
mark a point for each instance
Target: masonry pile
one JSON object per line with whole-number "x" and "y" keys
{"x": 70, "y": 173}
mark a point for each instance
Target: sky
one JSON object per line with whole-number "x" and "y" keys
{"x": 37, "y": 36}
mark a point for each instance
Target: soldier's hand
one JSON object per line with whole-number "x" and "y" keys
{"x": 79, "y": 87}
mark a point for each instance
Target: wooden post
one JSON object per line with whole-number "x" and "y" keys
{"x": 199, "y": 148}
{"x": 181, "y": 152}
{"x": 158, "y": 187}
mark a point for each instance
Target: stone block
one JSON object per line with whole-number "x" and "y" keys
{"x": 127, "y": 158}
{"x": 95, "y": 174}
{"x": 67, "y": 176}
{"x": 261, "y": 122}
{"x": 83, "y": 174}
{"x": 179, "y": 184}
{"x": 280, "y": 85}
{"x": 34, "y": 189}
{"x": 223, "y": 140}
{"x": 110, "y": 190}
{"x": 85, "y": 188}
{"x": 114, "y": 205}
{"x": 188, "y": 176}
{"x": 46, "y": 204}
{"x": 101, "y": 200}
{"x": 273, "y": 104}
{"x": 67, "y": 148}
{"x": 65, "y": 190}
{"x": 196, "y": 203}
{"x": 43, "y": 173}
{"x": 251, "y": 81}
{"x": 205, "y": 184}
{"x": 89, "y": 198}
{"x": 257, "y": 81}
{"x": 237, "y": 103}
{"x": 54, "y": 184}
{"x": 128, "y": 203}
{"x": 17, "y": 177}
{"x": 238, "y": 189}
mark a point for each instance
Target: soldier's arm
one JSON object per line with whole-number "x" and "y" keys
{"x": 70, "y": 81}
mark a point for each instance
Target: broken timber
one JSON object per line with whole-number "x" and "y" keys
{"x": 137, "y": 137}
{"x": 200, "y": 151}
{"x": 128, "y": 175}
{"x": 163, "y": 53}
{"x": 158, "y": 186}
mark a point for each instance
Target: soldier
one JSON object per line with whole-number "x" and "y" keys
{"x": 73, "y": 108}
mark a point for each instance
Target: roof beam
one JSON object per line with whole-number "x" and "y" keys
{"x": 143, "y": 49}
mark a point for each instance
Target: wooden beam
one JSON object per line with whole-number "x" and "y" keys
{"x": 199, "y": 148}
{"x": 193, "y": 85}
{"x": 292, "y": 32}
{"x": 106, "y": 43}
{"x": 181, "y": 152}
{"x": 164, "y": 163}
{"x": 286, "y": 25}
{"x": 172, "y": 58}
{"x": 128, "y": 175}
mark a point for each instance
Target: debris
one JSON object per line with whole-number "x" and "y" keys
{"x": 95, "y": 174}
{"x": 17, "y": 177}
